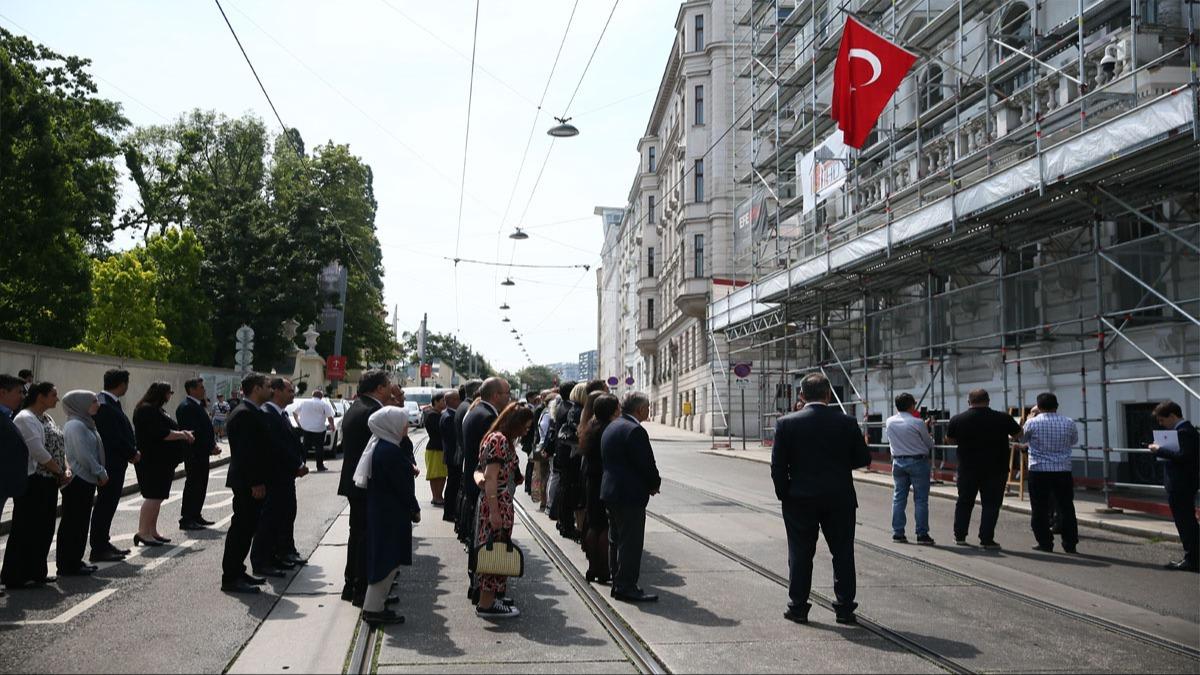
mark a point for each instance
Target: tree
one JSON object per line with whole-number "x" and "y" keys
{"x": 176, "y": 257}
{"x": 447, "y": 348}
{"x": 537, "y": 378}
{"x": 124, "y": 319}
{"x": 58, "y": 189}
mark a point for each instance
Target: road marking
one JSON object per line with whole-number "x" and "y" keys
{"x": 88, "y": 603}
{"x": 170, "y": 553}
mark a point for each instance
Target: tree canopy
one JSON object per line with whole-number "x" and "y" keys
{"x": 123, "y": 320}
{"x": 448, "y": 348}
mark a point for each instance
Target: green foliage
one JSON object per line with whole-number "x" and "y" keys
{"x": 176, "y": 257}
{"x": 124, "y": 319}
{"x": 58, "y": 189}
{"x": 447, "y": 348}
{"x": 536, "y": 378}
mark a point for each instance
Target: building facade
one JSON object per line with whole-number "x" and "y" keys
{"x": 588, "y": 364}
{"x": 567, "y": 370}
{"x": 1024, "y": 218}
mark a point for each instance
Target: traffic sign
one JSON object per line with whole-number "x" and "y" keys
{"x": 613, "y": 381}
{"x": 742, "y": 370}
{"x": 629, "y": 381}
{"x": 426, "y": 370}
{"x": 335, "y": 367}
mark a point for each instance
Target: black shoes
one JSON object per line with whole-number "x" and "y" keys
{"x": 110, "y": 555}
{"x": 1184, "y": 565}
{"x": 163, "y": 540}
{"x": 273, "y": 572}
{"x": 991, "y": 545}
{"x": 77, "y": 571}
{"x": 899, "y": 539}
{"x": 797, "y": 614}
{"x": 153, "y": 542}
{"x": 384, "y": 618}
{"x": 391, "y": 600}
{"x": 347, "y": 593}
{"x": 961, "y": 541}
{"x": 205, "y": 522}
{"x": 1069, "y": 548}
{"x": 240, "y": 586}
{"x": 847, "y": 618}
{"x": 253, "y": 581}
{"x": 295, "y": 559}
{"x": 1043, "y": 549}
{"x": 925, "y": 540}
{"x": 636, "y": 595}
{"x": 192, "y": 525}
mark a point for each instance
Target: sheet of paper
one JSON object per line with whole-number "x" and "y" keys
{"x": 1167, "y": 440}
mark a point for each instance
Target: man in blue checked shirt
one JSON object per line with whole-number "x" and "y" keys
{"x": 1051, "y": 437}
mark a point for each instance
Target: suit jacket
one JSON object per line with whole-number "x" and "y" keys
{"x": 630, "y": 473}
{"x": 287, "y": 451}
{"x": 193, "y": 417}
{"x": 249, "y": 447}
{"x": 815, "y": 451}
{"x": 1183, "y": 467}
{"x": 449, "y": 435}
{"x": 355, "y": 436}
{"x": 116, "y": 431}
{"x": 460, "y": 415}
{"x": 475, "y": 427}
{"x": 14, "y": 459}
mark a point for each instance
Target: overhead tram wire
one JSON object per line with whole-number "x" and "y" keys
{"x": 510, "y": 264}
{"x": 287, "y": 133}
{"x": 463, "y": 183}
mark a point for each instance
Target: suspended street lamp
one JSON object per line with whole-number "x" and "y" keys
{"x": 508, "y": 282}
{"x": 563, "y": 130}
{"x": 518, "y": 234}
{"x": 505, "y": 307}
{"x": 505, "y": 319}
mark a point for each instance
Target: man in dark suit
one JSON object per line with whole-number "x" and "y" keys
{"x": 14, "y": 454}
{"x": 1182, "y": 481}
{"x": 470, "y": 394}
{"x": 630, "y": 478}
{"x": 120, "y": 450}
{"x": 273, "y": 550}
{"x": 374, "y": 389}
{"x": 192, "y": 416}
{"x": 249, "y": 472}
{"x": 815, "y": 451}
{"x": 449, "y": 450}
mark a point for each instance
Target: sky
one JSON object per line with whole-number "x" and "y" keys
{"x": 391, "y": 78}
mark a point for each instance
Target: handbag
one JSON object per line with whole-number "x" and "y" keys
{"x": 502, "y": 559}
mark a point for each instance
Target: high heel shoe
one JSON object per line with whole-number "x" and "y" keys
{"x": 162, "y": 539}
{"x": 138, "y": 541}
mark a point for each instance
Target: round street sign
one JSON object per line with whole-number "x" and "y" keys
{"x": 629, "y": 381}
{"x": 741, "y": 370}
{"x": 612, "y": 381}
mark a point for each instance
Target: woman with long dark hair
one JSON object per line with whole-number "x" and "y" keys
{"x": 500, "y": 467}
{"x": 604, "y": 408}
{"x": 159, "y": 440}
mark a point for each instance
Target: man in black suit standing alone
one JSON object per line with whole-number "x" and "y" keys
{"x": 374, "y": 389}
{"x": 630, "y": 478}
{"x": 1182, "y": 481}
{"x": 815, "y": 451}
{"x": 193, "y": 417}
{"x": 120, "y": 450}
{"x": 249, "y": 473}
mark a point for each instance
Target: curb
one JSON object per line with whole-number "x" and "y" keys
{"x": 876, "y": 478}
{"x": 129, "y": 489}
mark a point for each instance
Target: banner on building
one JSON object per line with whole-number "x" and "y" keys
{"x": 822, "y": 171}
{"x": 750, "y": 220}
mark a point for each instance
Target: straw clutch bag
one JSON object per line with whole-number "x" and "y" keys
{"x": 499, "y": 558}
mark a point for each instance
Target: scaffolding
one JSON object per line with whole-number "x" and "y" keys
{"x": 1026, "y": 216}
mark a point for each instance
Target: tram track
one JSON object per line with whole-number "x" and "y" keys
{"x": 1144, "y": 637}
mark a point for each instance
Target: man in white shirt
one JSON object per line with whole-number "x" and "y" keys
{"x": 910, "y": 443}
{"x": 314, "y": 416}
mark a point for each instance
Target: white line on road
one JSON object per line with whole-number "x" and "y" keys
{"x": 88, "y": 603}
{"x": 170, "y": 553}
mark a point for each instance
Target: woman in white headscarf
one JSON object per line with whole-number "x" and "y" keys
{"x": 387, "y": 470}
{"x": 85, "y": 455}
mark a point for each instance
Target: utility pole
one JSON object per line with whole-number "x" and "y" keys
{"x": 421, "y": 348}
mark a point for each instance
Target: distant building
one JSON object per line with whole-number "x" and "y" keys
{"x": 566, "y": 371}
{"x": 443, "y": 375}
{"x": 587, "y": 364}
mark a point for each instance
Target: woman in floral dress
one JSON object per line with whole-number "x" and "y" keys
{"x": 501, "y": 472}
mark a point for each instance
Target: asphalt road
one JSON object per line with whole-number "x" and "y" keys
{"x": 162, "y": 610}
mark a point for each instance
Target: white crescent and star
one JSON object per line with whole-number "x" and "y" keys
{"x": 870, "y": 58}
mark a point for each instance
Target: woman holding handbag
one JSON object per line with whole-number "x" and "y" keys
{"x": 500, "y": 469}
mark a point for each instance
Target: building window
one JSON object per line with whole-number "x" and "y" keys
{"x": 650, "y": 209}
{"x": 699, "y": 34}
{"x": 699, "y": 116}
{"x": 698, "y": 177}
{"x": 650, "y": 313}
{"x": 698, "y": 263}
{"x": 651, "y": 160}
{"x": 650, "y": 261}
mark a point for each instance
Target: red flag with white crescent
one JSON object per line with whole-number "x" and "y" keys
{"x": 868, "y": 72}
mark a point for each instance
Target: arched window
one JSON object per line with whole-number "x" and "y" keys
{"x": 932, "y": 91}
{"x": 1013, "y": 29}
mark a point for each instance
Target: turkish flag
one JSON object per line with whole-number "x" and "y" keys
{"x": 869, "y": 69}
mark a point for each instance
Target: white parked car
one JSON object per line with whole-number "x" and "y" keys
{"x": 333, "y": 440}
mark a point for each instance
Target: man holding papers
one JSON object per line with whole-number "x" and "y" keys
{"x": 1179, "y": 447}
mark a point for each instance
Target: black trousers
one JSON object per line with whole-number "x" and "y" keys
{"x": 195, "y": 487}
{"x": 73, "y": 526}
{"x": 1047, "y": 490}
{"x": 356, "y": 547}
{"x": 314, "y": 441}
{"x": 803, "y": 519}
{"x": 286, "y": 536}
{"x": 989, "y": 486}
{"x": 271, "y": 523}
{"x": 626, "y": 538}
{"x": 453, "y": 484}
{"x": 246, "y": 510}
{"x": 31, "y": 533}
{"x": 107, "y": 499}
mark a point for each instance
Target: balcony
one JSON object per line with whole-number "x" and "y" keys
{"x": 647, "y": 341}
{"x": 647, "y": 285}
{"x": 693, "y": 297}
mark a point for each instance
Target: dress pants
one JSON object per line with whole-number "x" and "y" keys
{"x": 315, "y": 441}
{"x": 989, "y": 485}
{"x": 453, "y": 484}
{"x": 356, "y": 547}
{"x": 31, "y": 533}
{"x": 626, "y": 537}
{"x": 1057, "y": 488}
{"x": 73, "y": 527}
{"x": 271, "y": 522}
{"x": 240, "y": 536}
{"x": 803, "y": 519}
{"x": 107, "y": 499}
{"x": 1181, "y": 497}
{"x": 286, "y": 536}
{"x": 195, "y": 487}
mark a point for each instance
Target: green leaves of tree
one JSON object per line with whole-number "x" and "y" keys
{"x": 124, "y": 317}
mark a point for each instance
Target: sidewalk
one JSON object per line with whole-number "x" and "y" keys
{"x": 131, "y": 486}
{"x": 1087, "y": 501}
